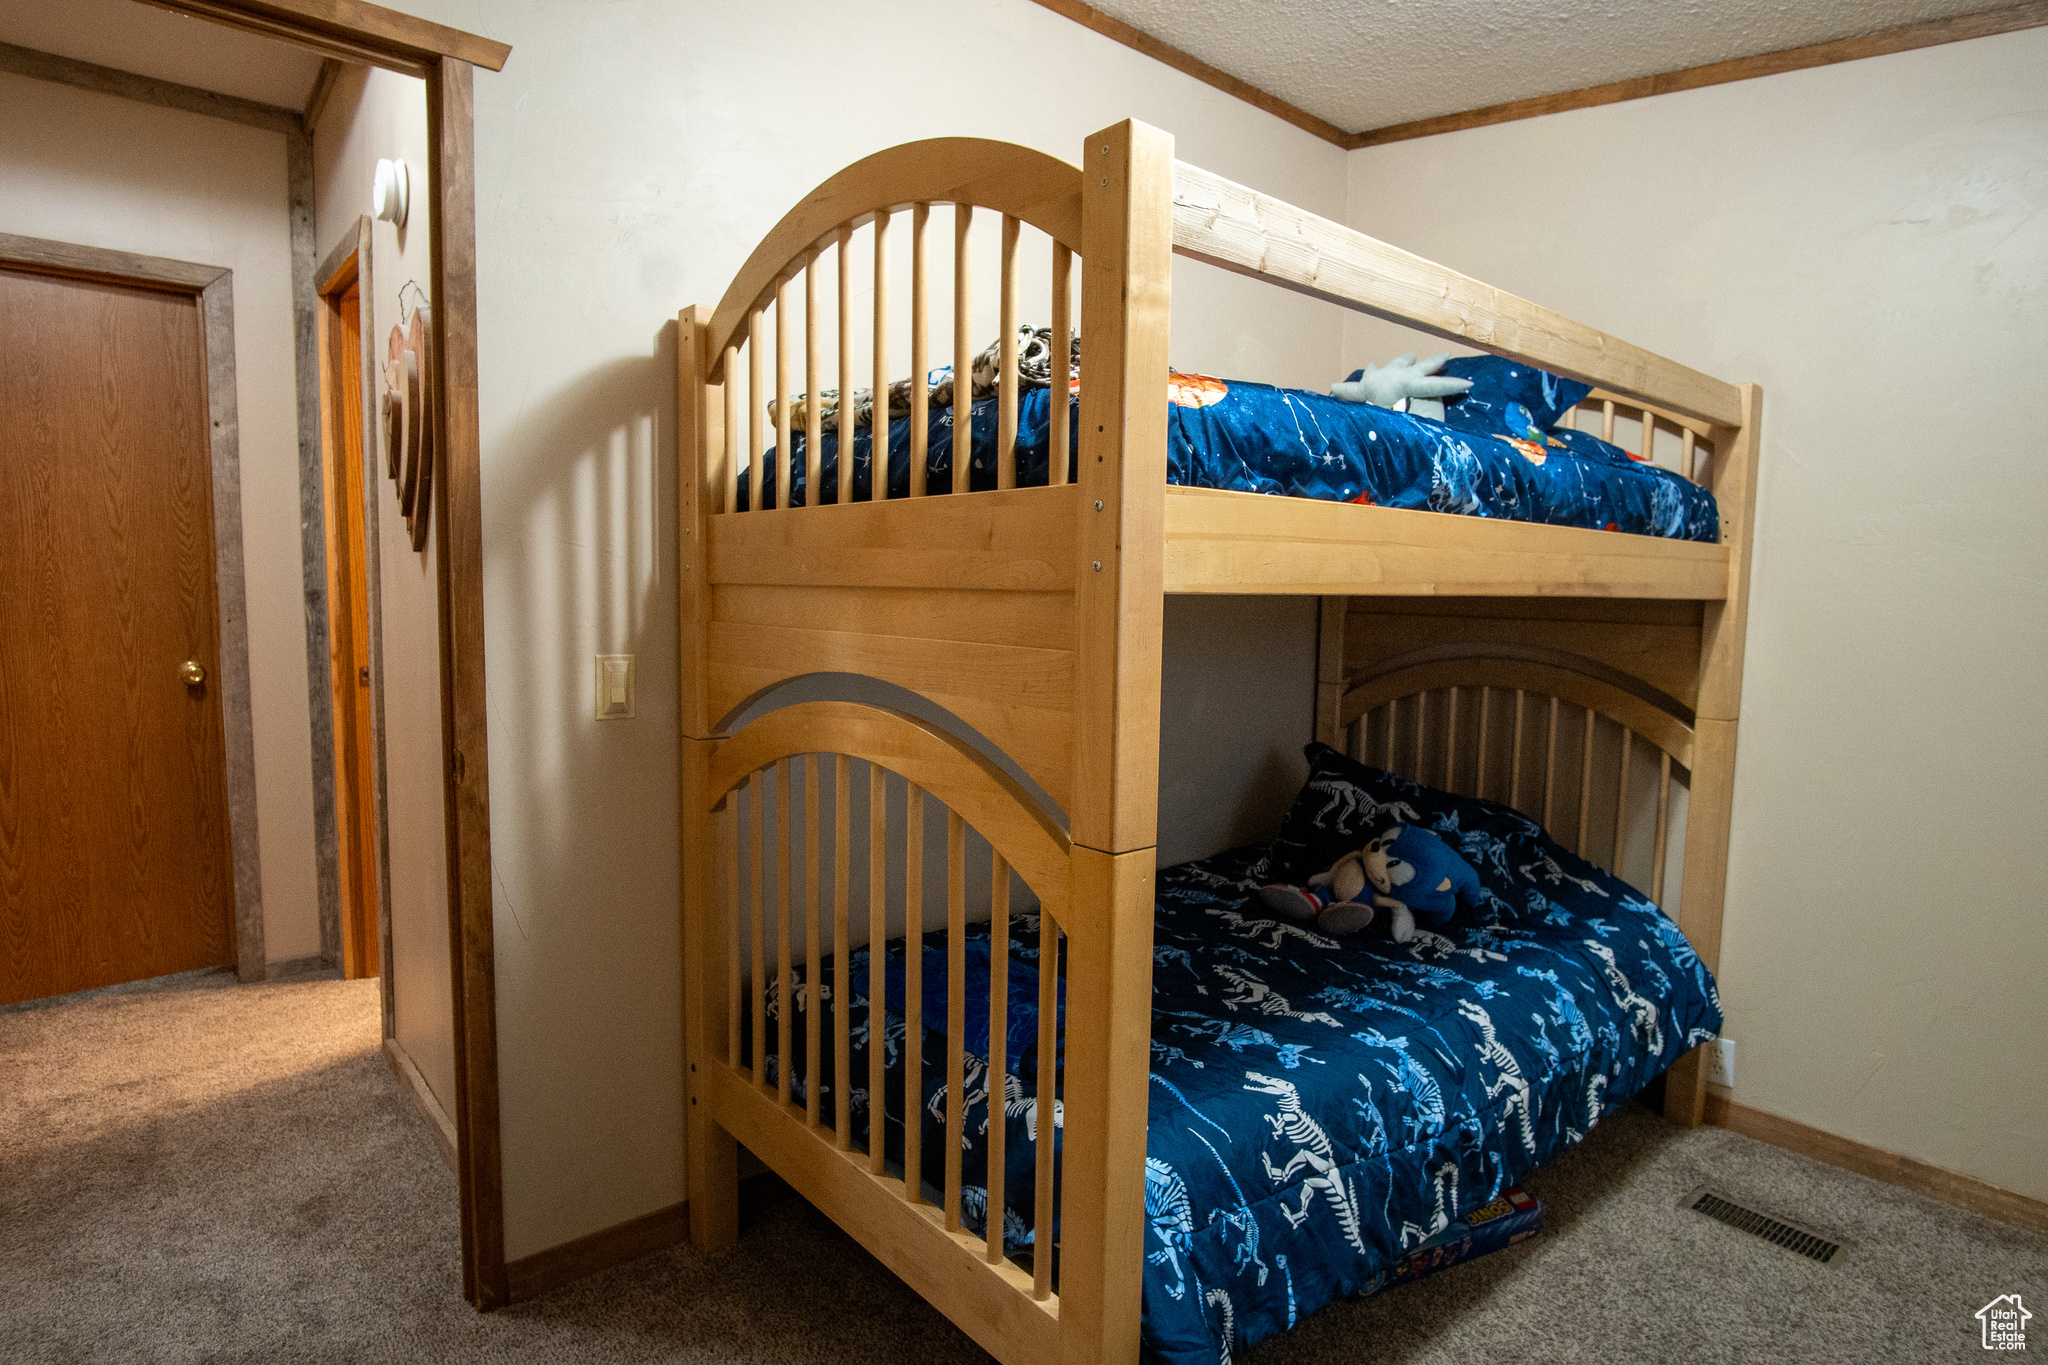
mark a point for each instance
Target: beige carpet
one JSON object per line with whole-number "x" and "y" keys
{"x": 200, "y": 1171}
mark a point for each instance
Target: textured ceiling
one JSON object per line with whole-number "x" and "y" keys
{"x": 1371, "y": 63}
{"x": 148, "y": 41}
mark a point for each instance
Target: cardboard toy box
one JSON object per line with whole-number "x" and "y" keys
{"x": 1514, "y": 1217}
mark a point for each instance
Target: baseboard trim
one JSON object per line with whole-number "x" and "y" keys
{"x": 409, "y": 1078}
{"x": 313, "y": 968}
{"x": 531, "y": 1276}
{"x": 1936, "y": 1182}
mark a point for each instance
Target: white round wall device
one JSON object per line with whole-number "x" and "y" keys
{"x": 388, "y": 194}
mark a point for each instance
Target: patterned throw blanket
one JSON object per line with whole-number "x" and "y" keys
{"x": 1034, "y": 371}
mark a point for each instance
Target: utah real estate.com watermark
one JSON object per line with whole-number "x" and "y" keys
{"x": 2005, "y": 1323}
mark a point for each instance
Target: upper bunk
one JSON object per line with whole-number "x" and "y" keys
{"x": 1209, "y": 539}
{"x": 1666, "y": 414}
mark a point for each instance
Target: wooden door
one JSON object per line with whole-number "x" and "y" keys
{"x": 114, "y": 852}
{"x": 348, "y": 625}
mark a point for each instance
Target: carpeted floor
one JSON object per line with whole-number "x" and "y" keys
{"x": 204, "y": 1171}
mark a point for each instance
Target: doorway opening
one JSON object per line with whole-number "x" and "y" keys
{"x": 126, "y": 680}
{"x": 343, "y": 447}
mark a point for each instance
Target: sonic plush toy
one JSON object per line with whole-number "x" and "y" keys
{"x": 1406, "y": 871}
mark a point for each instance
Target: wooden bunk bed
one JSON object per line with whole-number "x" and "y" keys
{"x": 1033, "y": 617}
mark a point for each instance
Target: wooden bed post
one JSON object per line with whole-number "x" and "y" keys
{"x": 1330, "y": 669}
{"x": 1127, "y": 282}
{"x": 1720, "y": 704}
{"x": 710, "y": 1156}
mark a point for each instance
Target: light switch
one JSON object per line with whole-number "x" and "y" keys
{"x": 614, "y": 686}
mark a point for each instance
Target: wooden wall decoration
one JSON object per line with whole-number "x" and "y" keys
{"x": 407, "y": 408}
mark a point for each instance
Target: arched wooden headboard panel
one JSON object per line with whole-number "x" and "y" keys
{"x": 787, "y": 382}
{"x": 1565, "y": 747}
{"x": 772, "y": 791}
{"x": 943, "y": 765}
{"x": 1024, "y": 184}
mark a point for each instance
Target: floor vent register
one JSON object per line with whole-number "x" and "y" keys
{"x": 1793, "y": 1238}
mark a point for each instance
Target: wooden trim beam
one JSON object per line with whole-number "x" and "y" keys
{"x": 351, "y": 30}
{"x": 323, "y": 88}
{"x": 458, "y": 534}
{"x": 422, "y": 1095}
{"x": 1711, "y": 814}
{"x": 1905, "y": 38}
{"x": 1222, "y": 541}
{"x": 531, "y": 1276}
{"x": 237, "y": 705}
{"x": 298, "y": 160}
{"x": 1241, "y": 230}
{"x": 1936, "y": 1182}
{"x": 99, "y": 263}
{"x": 1117, "y": 31}
{"x": 1119, "y": 595}
{"x": 350, "y": 260}
{"x": 47, "y": 66}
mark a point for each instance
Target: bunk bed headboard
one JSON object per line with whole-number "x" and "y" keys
{"x": 1026, "y": 187}
{"x": 1525, "y": 732}
{"x": 999, "y": 574}
{"x": 1579, "y": 714}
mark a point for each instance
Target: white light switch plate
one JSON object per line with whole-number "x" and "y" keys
{"x": 1721, "y": 1062}
{"x": 614, "y": 686}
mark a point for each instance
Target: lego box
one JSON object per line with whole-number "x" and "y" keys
{"x": 1514, "y": 1217}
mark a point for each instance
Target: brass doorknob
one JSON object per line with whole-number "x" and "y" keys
{"x": 192, "y": 672}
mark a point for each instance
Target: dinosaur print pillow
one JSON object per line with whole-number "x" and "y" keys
{"x": 1520, "y": 866}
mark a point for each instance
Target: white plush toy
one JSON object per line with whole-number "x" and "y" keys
{"x": 1404, "y": 384}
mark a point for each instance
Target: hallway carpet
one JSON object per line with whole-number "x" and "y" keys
{"x": 200, "y": 1171}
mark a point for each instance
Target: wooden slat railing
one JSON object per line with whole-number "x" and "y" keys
{"x": 920, "y": 360}
{"x": 963, "y": 345}
{"x": 776, "y": 875}
{"x": 772, "y": 421}
{"x": 1391, "y": 718}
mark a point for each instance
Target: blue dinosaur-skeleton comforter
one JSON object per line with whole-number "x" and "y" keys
{"x": 1254, "y": 438}
{"x": 1320, "y": 1106}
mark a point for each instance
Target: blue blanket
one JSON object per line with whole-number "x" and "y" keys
{"x": 1319, "y": 1106}
{"x": 1255, "y": 438}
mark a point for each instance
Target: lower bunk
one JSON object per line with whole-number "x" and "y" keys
{"x": 1320, "y": 1105}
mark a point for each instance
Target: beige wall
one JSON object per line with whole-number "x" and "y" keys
{"x": 1868, "y": 241}
{"x": 373, "y": 115}
{"x": 99, "y": 171}
{"x": 1237, "y": 700}
{"x": 629, "y": 157}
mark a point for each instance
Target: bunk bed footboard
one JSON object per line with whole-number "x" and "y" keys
{"x": 814, "y": 840}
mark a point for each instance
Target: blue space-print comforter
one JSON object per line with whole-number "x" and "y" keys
{"x": 1254, "y": 438}
{"x": 1319, "y": 1106}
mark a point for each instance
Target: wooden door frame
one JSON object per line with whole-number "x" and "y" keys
{"x": 212, "y": 287}
{"x": 446, "y": 59}
{"x": 349, "y": 264}
{"x": 296, "y": 129}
